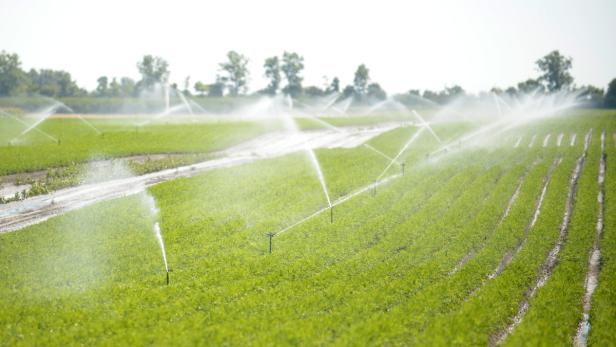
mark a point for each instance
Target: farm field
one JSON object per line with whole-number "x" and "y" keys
{"x": 480, "y": 244}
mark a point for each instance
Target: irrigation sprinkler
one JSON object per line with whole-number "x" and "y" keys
{"x": 271, "y": 236}
{"x": 403, "y": 164}
{"x": 331, "y": 214}
{"x": 374, "y": 187}
{"x": 167, "y": 277}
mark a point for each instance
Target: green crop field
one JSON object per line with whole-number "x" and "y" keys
{"x": 478, "y": 245}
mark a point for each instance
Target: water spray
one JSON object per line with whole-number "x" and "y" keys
{"x": 159, "y": 237}
{"x": 427, "y": 125}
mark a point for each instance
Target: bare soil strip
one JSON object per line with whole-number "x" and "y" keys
{"x": 594, "y": 258}
{"x": 509, "y": 256}
{"x": 550, "y": 262}
{"x": 17, "y": 215}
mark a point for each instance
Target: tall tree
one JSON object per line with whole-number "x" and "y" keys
{"x": 610, "y": 95}
{"x": 272, "y": 72}
{"x": 201, "y": 88}
{"x": 114, "y": 88}
{"x": 235, "y": 72}
{"x": 593, "y": 96}
{"x": 555, "y": 71}
{"x": 217, "y": 88}
{"x": 292, "y": 66}
{"x": 153, "y": 70}
{"x": 102, "y": 86}
{"x": 127, "y": 87}
{"x": 186, "y": 90}
{"x": 376, "y": 92}
{"x": 361, "y": 79}
{"x": 13, "y": 80}
{"x": 334, "y": 87}
{"x": 530, "y": 86}
{"x": 53, "y": 83}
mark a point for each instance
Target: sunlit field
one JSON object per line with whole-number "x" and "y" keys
{"x": 314, "y": 173}
{"x": 398, "y": 240}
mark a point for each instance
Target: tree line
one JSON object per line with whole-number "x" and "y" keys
{"x": 284, "y": 75}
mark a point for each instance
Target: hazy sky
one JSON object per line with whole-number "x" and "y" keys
{"x": 405, "y": 44}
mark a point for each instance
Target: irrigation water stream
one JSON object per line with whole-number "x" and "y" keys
{"x": 17, "y": 215}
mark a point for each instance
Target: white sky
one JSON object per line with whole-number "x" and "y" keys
{"x": 405, "y": 44}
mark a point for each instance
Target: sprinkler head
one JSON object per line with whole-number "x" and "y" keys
{"x": 271, "y": 236}
{"x": 167, "y": 277}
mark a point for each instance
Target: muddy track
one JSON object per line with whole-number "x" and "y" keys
{"x": 17, "y": 215}
{"x": 594, "y": 257}
{"x": 538, "y": 204}
{"x": 545, "y": 272}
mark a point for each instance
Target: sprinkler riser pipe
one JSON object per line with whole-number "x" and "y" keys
{"x": 271, "y": 236}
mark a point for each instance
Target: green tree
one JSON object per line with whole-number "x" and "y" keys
{"x": 334, "y": 87}
{"x": 153, "y": 70}
{"x": 114, "y": 88}
{"x": 127, "y": 87}
{"x": 511, "y": 91}
{"x": 610, "y": 96}
{"x": 186, "y": 90}
{"x": 235, "y": 72}
{"x": 431, "y": 95}
{"x": 53, "y": 83}
{"x": 592, "y": 95}
{"x": 375, "y": 91}
{"x": 348, "y": 91}
{"x": 496, "y": 90}
{"x": 13, "y": 80}
{"x": 292, "y": 66}
{"x": 530, "y": 86}
{"x": 217, "y": 88}
{"x": 361, "y": 79}
{"x": 272, "y": 72}
{"x": 555, "y": 71}
{"x": 102, "y": 86}
{"x": 201, "y": 88}
{"x": 313, "y": 91}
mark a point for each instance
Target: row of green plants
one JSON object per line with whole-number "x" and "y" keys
{"x": 79, "y": 144}
{"x": 603, "y": 304}
{"x": 556, "y": 309}
{"x": 379, "y": 274}
{"x": 441, "y": 291}
{"x": 496, "y": 302}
